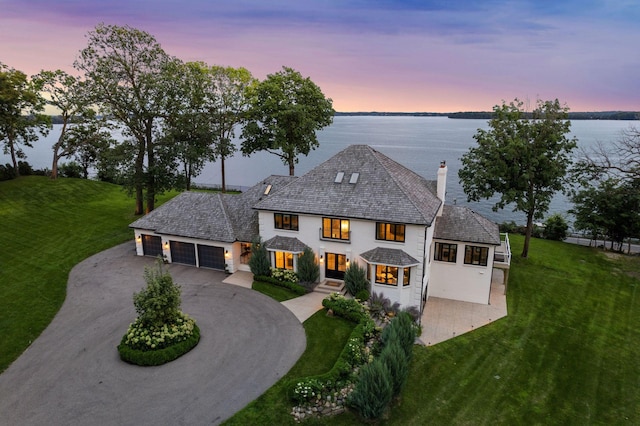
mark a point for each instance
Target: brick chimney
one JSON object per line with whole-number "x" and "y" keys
{"x": 442, "y": 184}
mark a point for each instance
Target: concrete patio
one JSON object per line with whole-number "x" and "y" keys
{"x": 444, "y": 319}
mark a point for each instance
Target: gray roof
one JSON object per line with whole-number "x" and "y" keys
{"x": 384, "y": 190}
{"x": 211, "y": 216}
{"x": 459, "y": 223}
{"x": 388, "y": 256}
{"x": 281, "y": 243}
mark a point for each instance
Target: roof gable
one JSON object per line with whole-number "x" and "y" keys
{"x": 382, "y": 190}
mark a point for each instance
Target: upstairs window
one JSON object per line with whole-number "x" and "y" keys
{"x": 335, "y": 229}
{"x": 476, "y": 255}
{"x": 445, "y": 252}
{"x": 390, "y": 232}
{"x": 286, "y": 221}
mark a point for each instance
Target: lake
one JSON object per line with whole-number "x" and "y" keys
{"x": 419, "y": 143}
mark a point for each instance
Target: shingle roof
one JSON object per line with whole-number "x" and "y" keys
{"x": 281, "y": 243}
{"x": 211, "y": 216}
{"x": 459, "y": 223}
{"x": 385, "y": 190}
{"x": 388, "y": 256}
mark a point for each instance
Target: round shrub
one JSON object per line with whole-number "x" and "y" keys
{"x": 362, "y": 295}
{"x": 555, "y": 227}
{"x": 158, "y": 356}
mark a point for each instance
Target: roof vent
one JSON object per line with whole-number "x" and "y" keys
{"x": 339, "y": 177}
{"x": 267, "y": 190}
{"x": 354, "y": 178}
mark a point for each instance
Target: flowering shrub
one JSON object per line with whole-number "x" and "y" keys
{"x": 306, "y": 390}
{"x": 284, "y": 275}
{"x": 350, "y": 309}
{"x": 158, "y": 337}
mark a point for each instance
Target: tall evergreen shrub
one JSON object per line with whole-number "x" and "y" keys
{"x": 394, "y": 357}
{"x": 355, "y": 279}
{"x": 308, "y": 269}
{"x": 373, "y": 391}
{"x": 259, "y": 262}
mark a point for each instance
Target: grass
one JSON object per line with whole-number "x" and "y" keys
{"x": 275, "y": 292}
{"x": 326, "y": 336}
{"x": 47, "y": 228}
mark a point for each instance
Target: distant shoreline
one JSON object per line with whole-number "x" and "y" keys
{"x": 486, "y": 115}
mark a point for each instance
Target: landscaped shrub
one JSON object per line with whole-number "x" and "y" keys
{"x": 308, "y": 269}
{"x": 555, "y": 228}
{"x": 380, "y": 306}
{"x": 355, "y": 279}
{"x": 296, "y": 288}
{"x": 362, "y": 295}
{"x": 161, "y": 333}
{"x": 284, "y": 275}
{"x": 373, "y": 391}
{"x": 394, "y": 357}
{"x": 259, "y": 262}
{"x": 402, "y": 331}
{"x": 350, "y": 309}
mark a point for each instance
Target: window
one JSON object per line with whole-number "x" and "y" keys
{"x": 284, "y": 260}
{"x": 407, "y": 277}
{"x": 476, "y": 255}
{"x": 390, "y": 231}
{"x": 335, "y": 229}
{"x": 386, "y": 275}
{"x": 285, "y": 221}
{"x": 446, "y": 252}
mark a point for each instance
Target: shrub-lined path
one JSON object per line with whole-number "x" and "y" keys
{"x": 72, "y": 374}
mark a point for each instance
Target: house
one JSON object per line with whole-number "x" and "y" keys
{"x": 358, "y": 206}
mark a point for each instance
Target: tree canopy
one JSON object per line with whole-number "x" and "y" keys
{"x": 522, "y": 159}
{"x": 285, "y": 112}
{"x": 21, "y": 117}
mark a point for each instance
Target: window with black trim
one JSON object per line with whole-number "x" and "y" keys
{"x": 445, "y": 252}
{"x": 390, "y": 231}
{"x": 386, "y": 275}
{"x": 285, "y": 221}
{"x": 476, "y": 255}
{"x": 335, "y": 229}
{"x": 284, "y": 260}
{"x": 407, "y": 277}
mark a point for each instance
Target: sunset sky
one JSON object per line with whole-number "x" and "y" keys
{"x": 438, "y": 55}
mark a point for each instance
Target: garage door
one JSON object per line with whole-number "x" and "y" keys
{"x": 211, "y": 257}
{"x": 183, "y": 253}
{"x": 151, "y": 245}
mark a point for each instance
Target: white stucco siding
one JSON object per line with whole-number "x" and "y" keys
{"x": 458, "y": 281}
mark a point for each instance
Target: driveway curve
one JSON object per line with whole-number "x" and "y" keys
{"x": 72, "y": 373}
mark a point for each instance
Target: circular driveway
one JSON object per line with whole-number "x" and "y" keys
{"x": 72, "y": 374}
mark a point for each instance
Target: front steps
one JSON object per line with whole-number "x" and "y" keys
{"x": 331, "y": 286}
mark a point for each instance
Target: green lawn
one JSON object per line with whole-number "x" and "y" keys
{"x": 278, "y": 293}
{"x": 47, "y": 228}
{"x": 566, "y": 354}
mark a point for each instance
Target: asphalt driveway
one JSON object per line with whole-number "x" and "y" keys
{"x": 72, "y": 375}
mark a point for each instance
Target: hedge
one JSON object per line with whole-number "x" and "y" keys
{"x": 296, "y": 288}
{"x": 160, "y": 356}
{"x": 350, "y": 309}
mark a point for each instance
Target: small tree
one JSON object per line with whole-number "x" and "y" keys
{"x": 355, "y": 279}
{"x": 394, "y": 357}
{"x": 555, "y": 227}
{"x": 159, "y": 303}
{"x": 308, "y": 269}
{"x": 259, "y": 262}
{"x": 373, "y": 391}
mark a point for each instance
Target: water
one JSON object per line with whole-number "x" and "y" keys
{"x": 419, "y": 143}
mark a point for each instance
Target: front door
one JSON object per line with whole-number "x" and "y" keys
{"x": 335, "y": 266}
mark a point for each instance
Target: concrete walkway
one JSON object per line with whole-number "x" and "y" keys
{"x": 302, "y": 307}
{"x": 72, "y": 374}
{"x": 444, "y": 319}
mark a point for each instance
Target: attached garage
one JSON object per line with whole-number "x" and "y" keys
{"x": 211, "y": 257}
{"x": 151, "y": 245}
{"x": 182, "y": 252}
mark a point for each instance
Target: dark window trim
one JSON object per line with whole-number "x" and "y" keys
{"x": 451, "y": 254}
{"x": 476, "y": 255}
{"x": 385, "y": 237}
{"x": 288, "y": 222}
{"x": 387, "y": 270}
{"x": 326, "y": 234}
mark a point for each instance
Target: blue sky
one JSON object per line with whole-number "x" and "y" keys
{"x": 371, "y": 55}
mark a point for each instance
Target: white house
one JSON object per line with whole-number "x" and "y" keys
{"x": 358, "y": 206}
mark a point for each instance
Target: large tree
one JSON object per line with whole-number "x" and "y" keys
{"x": 67, "y": 94}
{"x": 616, "y": 159}
{"x": 285, "y": 113}
{"x": 21, "y": 117}
{"x": 522, "y": 157}
{"x": 125, "y": 69}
